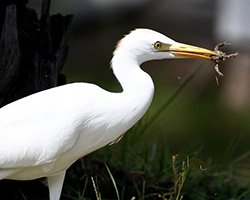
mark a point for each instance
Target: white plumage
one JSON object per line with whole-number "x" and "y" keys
{"x": 43, "y": 134}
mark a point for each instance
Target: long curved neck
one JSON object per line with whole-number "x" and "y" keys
{"x": 131, "y": 77}
{"x": 134, "y": 81}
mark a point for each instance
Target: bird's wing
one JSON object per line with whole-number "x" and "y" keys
{"x": 37, "y": 129}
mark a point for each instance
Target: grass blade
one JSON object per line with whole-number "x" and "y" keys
{"x": 97, "y": 192}
{"x": 113, "y": 181}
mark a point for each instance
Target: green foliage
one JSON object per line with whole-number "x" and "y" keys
{"x": 176, "y": 179}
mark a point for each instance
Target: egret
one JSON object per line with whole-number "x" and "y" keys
{"x": 43, "y": 134}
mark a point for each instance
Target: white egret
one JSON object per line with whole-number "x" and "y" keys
{"x": 43, "y": 134}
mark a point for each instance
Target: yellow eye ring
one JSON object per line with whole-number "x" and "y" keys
{"x": 158, "y": 45}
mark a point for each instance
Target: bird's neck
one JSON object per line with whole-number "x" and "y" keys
{"x": 129, "y": 74}
{"x": 134, "y": 81}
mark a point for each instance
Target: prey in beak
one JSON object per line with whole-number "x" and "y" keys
{"x": 189, "y": 51}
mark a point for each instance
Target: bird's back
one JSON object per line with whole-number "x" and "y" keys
{"x": 36, "y": 129}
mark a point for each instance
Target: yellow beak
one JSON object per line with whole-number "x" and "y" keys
{"x": 189, "y": 51}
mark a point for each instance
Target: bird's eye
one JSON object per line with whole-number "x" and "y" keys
{"x": 158, "y": 45}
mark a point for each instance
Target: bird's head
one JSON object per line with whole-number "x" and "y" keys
{"x": 145, "y": 45}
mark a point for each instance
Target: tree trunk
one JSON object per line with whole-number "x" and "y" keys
{"x": 32, "y": 51}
